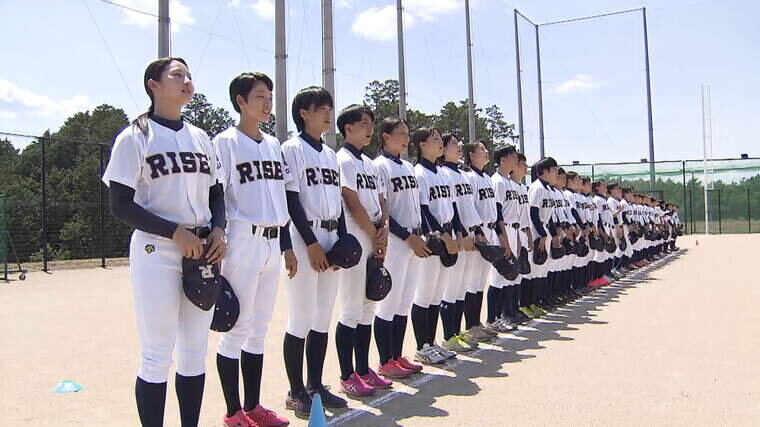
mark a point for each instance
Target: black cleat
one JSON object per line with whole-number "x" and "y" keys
{"x": 299, "y": 402}
{"x": 329, "y": 400}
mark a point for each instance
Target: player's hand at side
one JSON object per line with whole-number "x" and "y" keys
{"x": 467, "y": 243}
{"x": 451, "y": 245}
{"x": 541, "y": 244}
{"x": 190, "y": 245}
{"x": 217, "y": 246}
{"x": 418, "y": 246}
{"x": 291, "y": 263}
{"x": 380, "y": 241}
{"x": 317, "y": 257}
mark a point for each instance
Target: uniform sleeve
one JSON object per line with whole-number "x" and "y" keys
{"x": 222, "y": 152}
{"x": 125, "y": 166}
{"x": 347, "y": 173}
{"x": 535, "y": 198}
{"x": 287, "y": 176}
{"x": 294, "y": 166}
{"x": 424, "y": 188}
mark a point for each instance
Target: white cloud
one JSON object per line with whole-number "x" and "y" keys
{"x": 379, "y": 23}
{"x": 179, "y": 13}
{"x": 344, "y": 4}
{"x": 579, "y": 83}
{"x": 264, "y": 8}
{"x": 7, "y": 114}
{"x": 16, "y": 98}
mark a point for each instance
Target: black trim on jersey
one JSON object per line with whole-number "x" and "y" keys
{"x": 615, "y": 220}
{"x": 427, "y": 164}
{"x": 477, "y": 171}
{"x": 298, "y": 215}
{"x": 396, "y": 159}
{"x": 317, "y": 145}
{"x": 544, "y": 183}
{"x": 342, "y": 230}
{"x": 353, "y": 150}
{"x": 124, "y": 208}
{"x": 216, "y": 205}
{"x": 457, "y": 221}
{"x": 453, "y": 166}
{"x": 552, "y": 226}
{"x": 175, "y": 125}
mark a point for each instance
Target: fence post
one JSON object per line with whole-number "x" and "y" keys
{"x": 683, "y": 172}
{"x": 749, "y": 213}
{"x": 691, "y": 209}
{"x": 43, "y": 219}
{"x": 592, "y": 173}
{"x": 720, "y": 221}
{"x": 100, "y": 209}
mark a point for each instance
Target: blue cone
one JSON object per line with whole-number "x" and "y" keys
{"x": 317, "y": 416}
{"x": 67, "y": 386}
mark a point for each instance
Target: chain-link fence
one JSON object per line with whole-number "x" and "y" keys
{"x": 733, "y": 189}
{"x": 56, "y": 208}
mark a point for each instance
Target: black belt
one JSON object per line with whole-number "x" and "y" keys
{"x": 416, "y": 231}
{"x": 201, "y": 232}
{"x": 268, "y": 233}
{"x": 516, "y": 225}
{"x": 447, "y": 227}
{"x": 330, "y": 225}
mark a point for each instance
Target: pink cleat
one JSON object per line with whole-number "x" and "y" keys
{"x": 392, "y": 370}
{"x": 374, "y": 381}
{"x": 239, "y": 420}
{"x": 409, "y": 366}
{"x": 354, "y": 386}
{"x": 264, "y": 417}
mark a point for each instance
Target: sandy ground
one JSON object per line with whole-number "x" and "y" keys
{"x": 674, "y": 345}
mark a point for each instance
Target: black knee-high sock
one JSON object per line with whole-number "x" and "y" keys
{"x": 292, "y": 351}
{"x": 228, "y": 375}
{"x": 384, "y": 339}
{"x": 478, "y": 308}
{"x": 433, "y": 312}
{"x": 506, "y": 301}
{"x": 420, "y": 324}
{"x": 470, "y": 302}
{"x": 361, "y": 349}
{"x": 493, "y": 303}
{"x": 399, "y": 331}
{"x": 345, "y": 341}
{"x": 448, "y": 318}
{"x": 151, "y": 399}
{"x": 524, "y": 292}
{"x": 316, "y": 350}
{"x": 460, "y": 315}
{"x": 516, "y": 299}
{"x": 252, "y": 365}
{"x": 190, "y": 396}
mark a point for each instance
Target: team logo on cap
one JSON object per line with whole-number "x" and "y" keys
{"x": 150, "y": 248}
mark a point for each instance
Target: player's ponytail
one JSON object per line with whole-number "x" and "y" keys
{"x": 152, "y": 72}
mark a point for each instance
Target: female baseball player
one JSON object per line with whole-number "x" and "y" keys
{"x": 453, "y": 305}
{"x": 314, "y": 204}
{"x": 508, "y": 208}
{"x": 616, "y": 210}
{"x": 255, "y": 177}
{"x": 164, "y": 181}
{"x": 543, "y": 229}
{"x": 366, "y": 219}
{"x": 511, "y": 312}
{"x": 438, "y": 213}
{"x": 406, "y": 248}
{"x": 601, "y": 277}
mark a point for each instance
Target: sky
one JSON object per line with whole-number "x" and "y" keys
{"x": 60, "y": 57}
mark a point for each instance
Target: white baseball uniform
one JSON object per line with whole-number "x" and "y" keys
{"x": 477, "y": 269}
{"x": 358, "y": 174}
{"x": 402, "y": 195}
{"x": 507, "y": 196}
{"x": 316, "y": 178}
{"x": 171, "y": 173}
{"x": 540, "y": 196}
{"x": 255, "y": 177}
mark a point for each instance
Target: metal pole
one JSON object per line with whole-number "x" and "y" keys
{"x": 101, "y": 213}
{"x": 470, "y": 91}
{"x": 519, "y": 88}
{"x": 683, "y": 171}
{"x": 649, "y": 101}
{"x": 705, "y": 91}
{"x": 720, "y": 219}
{"x": 164, "y": 29}
{"x": 401, "y": 67}
{"x": 540, "y": 98}
{"x": 328, "y": 64}
{"x": 592, "y": 172}
{"x": 749, "y": 214}
{"x": 43, "y": 178}
{"x": 280, "y": 71}
{"x": 691, "y": 210}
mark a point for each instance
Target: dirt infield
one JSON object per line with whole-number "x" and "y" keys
{"x": 674, "y": 345}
